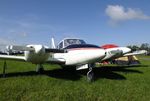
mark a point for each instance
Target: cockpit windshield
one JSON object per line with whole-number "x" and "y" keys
{"x": 67, "y": 42}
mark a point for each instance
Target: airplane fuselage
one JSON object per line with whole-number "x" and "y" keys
{"x": 80, "y": 56}
{"x": 74, "y": 56}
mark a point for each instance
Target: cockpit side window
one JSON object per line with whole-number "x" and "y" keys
{"x": 60, "y": 45}
{"x": 82, "y": 42}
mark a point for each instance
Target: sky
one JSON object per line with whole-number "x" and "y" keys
{"x": 99, "y": 22}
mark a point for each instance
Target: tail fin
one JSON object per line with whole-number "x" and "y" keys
{"x": 53, "y": 43}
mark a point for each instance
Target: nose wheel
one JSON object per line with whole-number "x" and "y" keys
{"x": 90, "y": 73}
{"x": 39, "y": 69}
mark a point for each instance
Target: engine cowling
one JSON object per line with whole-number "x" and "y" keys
{"x": 36, "y": 56}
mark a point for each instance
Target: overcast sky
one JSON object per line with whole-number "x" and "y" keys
{"x": 99, "y": 22}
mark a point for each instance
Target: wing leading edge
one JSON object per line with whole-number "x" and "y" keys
{"x": 136, "y": 53}
{"x": 10, "y": 57}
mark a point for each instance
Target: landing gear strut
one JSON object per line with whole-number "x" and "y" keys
{"x": 39, "y": 69}
{"x": 90, "y": 74}
{"x": 4, "y": 68}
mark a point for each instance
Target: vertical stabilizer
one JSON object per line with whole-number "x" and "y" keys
{"x": 52, "y": 43}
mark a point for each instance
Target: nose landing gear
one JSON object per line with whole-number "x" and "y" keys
{"x": 90, "y": 73}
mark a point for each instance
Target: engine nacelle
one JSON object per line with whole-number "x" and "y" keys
{"x": 38, "y": 55}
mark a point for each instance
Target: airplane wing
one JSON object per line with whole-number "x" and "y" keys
{"x": 32, "y": 48}
{"x": 11, "y": 57}
{"x": 136, "y": 53}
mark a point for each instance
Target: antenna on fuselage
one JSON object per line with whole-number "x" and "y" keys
{"x": 52, "y": 43}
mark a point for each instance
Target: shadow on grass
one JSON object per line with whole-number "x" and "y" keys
{"x": 15, "y": 74}
{"x": 68, "y": 74}
{"x": 108, "y": 72}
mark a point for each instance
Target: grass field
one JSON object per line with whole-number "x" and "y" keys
{"x": 112, "y": 83}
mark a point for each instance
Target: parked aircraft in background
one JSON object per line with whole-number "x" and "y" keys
{"x": 113, "y": 51}
{"x": 112, "y": 54}
{"x": 8, "y": 51}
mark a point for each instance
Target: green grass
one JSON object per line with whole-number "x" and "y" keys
{"x": 111, "y": 83}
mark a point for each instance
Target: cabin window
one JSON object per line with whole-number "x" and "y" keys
{"x": 60, "y": 45}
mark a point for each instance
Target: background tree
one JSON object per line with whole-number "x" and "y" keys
{"x": 133, "y": 47}
{"x": 145, "y": 46}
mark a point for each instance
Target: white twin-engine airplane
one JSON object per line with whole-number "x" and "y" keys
{"x": 69, "y": 52}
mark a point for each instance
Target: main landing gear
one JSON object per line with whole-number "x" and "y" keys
{"x": 90, "y": 74}
{"x": 40, "y": 69}
{"x": 4, "y": 68}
